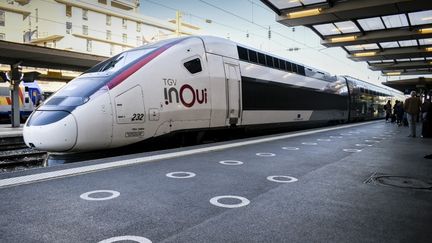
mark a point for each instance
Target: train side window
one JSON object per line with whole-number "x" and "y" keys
{"x": 301, "y": 70}
{"x": 276, "y": 63}
{"x": 282, "y": 65}
{"x": 288, "y": 67}
{"x": 243, "y": 53}
{"x": 253, "y": 56}
{"x": 269, "y": 60}
{"x": 261, "y": 59}
{"x": 294, "y": 68}
{"x": 193, "y": 66}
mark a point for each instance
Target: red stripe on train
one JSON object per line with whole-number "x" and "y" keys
{"x": 121, "y": 77}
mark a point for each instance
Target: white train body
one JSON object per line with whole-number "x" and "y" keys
{"x": 175, "y": 85}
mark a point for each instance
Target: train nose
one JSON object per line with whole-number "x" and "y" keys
{"x": 54, "y": 131}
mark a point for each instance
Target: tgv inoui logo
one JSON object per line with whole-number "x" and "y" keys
{"x": 186, "y": 94}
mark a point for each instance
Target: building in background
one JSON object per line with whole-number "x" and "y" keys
{"x": 101, "y": 27}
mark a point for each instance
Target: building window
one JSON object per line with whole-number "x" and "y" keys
{"x": 124, "y": 38}
{"x": 108, "y": 20}
{"x": 112, "y": 49}
{"x": 89, "y": 45}
{"x": 84, "y": 14}
{"x": 124, "y": 23}
{"x": 68, "y": 27}
{"x": 85, "y": 29}
{"x": 2, "y": 18}
{"x": 68, "y": 11}
{"x": 102, "y": 1}
{"x": 138, "y": 41}
{"x": 138, "y": 27}
{"x": 2, "y": 36}
{"x": 108, "y": 34}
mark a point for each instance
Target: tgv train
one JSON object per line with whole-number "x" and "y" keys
{"x": 194, "y": 83}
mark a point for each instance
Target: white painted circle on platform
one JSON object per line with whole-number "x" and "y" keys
{"x": 274, "y": 179}
{"x": 324, "y": 139}
{"x": 371, "y": 141}
{"x": 181, "y": 175}
{"x": 336, "y": 137}
{"x": 352, "y": 150}
{"x": 345, "y": 134}
{"x": 125, "y": 238}
{"x": 290, "y": 148}
{"x": 86, "y": 196}
{"x": 243, "y": 201}
{"x": 266, "y": 154}
{"x": 307, "y": 143}
{"x": 354, "y": 132}
{"x": 363, "y": 145}
{"x": 230, "y": 162}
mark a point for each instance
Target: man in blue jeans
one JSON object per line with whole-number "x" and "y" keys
{"x": 412, "y": 109}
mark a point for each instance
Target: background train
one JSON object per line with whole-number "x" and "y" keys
{"x": 30, "y": 95}
{"x": 195, "y": 84}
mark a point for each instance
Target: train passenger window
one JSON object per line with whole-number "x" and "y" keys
{"x": 193, "y": 66}
{"x": 276, "y": 63}
{"x": 269, "y": 60}
{"x": 288, "y": 67}
{"x": 362, "y": 90}
{"x": 294, "y": 68}
{"x": 261, "y": 59}
{"x": 301, "y": 70}
{"x": 253, "y": 56}
{"x": 282, "y": 65}
{"x": 243, "y": 53}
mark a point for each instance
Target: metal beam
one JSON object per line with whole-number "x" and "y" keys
{"x": 377, "y": 36}
{"x": 37, "y": 56}
{"x": 399, "y": 66}
{"x": 396, "y": 53}
{"x": 348, "y": 10}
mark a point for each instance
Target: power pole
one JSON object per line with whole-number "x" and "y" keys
{"x": 15, "y": 89}
{"x": 178, "y": 22}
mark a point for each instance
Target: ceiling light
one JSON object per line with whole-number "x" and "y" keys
{"x": 428, "y": 49}
{"x": 343, "y": 28}
{"x": 425, "y": 31}
{"x": 393, "y": 73}
{"x": 343, "y": 39}
{"x": 426, "y": 18}
{"x": 304, "y": 13}
{"x": 365, "y": 54}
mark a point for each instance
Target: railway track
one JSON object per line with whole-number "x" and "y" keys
{"x": 15, "y": 155}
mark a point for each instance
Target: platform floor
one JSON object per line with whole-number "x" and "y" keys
{"x": 329, "y": 202}
{"x": 6, "y": 130}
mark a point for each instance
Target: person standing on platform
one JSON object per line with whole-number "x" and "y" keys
{"x": 412, "y": 109}
{"x": 388, "y": 110}
{"x": 425, "y": 118}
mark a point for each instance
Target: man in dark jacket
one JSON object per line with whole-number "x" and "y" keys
{"x": 412, "y": 109}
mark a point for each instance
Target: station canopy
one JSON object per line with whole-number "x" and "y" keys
{"x": 392, "y": 36}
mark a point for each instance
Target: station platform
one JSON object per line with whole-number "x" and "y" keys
{"x": 364, "y": 182}
{"x": 6, "y": 130}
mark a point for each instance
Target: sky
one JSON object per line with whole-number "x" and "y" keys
{"x": 236, "y": 18}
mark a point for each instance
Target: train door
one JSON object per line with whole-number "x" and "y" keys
{"x": 233, "y": 89}
{"x": 129, "y": 106}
